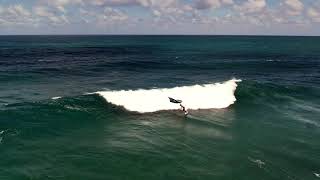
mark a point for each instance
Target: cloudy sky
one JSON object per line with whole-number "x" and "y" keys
{"x": 268, "y": 17}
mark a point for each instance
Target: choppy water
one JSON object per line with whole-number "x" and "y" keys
{"x": 54, "y": 124}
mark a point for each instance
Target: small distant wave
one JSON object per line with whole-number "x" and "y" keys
{"x": 54, "y": 98}
{"x": 1, "y": 135}
{"x": 273, "y": 60}
{"x": 7, "y": 133}
{"x": 207, "y": 96}
{"x": 259, "y": 162}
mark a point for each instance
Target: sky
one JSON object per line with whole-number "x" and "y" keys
{"x": 196, "y": 17}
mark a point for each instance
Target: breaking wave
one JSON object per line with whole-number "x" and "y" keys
{"x": 207, "y": 96}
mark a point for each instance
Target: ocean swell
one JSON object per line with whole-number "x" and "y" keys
{"x": 206, "y": 96}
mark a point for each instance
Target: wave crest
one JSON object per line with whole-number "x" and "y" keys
{"x": 207, "y": 96}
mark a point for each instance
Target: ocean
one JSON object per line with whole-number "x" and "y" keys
{"x": 97, "y": 107}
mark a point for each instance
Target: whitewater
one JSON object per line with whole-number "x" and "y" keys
{"x": 205, "y": 96}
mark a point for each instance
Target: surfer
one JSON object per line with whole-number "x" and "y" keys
{"x": 183, "y": 108}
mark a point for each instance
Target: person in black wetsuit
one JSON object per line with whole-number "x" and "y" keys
{"x": 179, "y": 102}
{"x": 184, "y": 109}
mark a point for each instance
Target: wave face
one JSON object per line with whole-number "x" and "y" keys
{"x": 207, "y": 96}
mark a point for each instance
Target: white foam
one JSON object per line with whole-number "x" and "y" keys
{"x": 54, "y": 98}
{"x": 207, "y": 96}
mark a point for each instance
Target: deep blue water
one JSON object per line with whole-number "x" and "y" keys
{"x": 271, "y": 132}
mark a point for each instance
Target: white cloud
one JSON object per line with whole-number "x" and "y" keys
{"x": 314, "y": 14}
{"x": 156, "y": 12}
{"x": 60, "y": 4}
{"x": 46, "y": 15}
{"x": 107, "y": 15}
{"x": 258, "y": 13}
{"x": 111, "y": 15}
{"x": 167, "y": 12}
{"x": 114, "y": 2}
{"x": 14, "y": 15}
{"x": 296, "y": 5}
{"x": 252, "y": 6}
{"x": 207, "y": 4}
{"x": 163, "y": 3}
{"x": 227, "y": 1}
{"x": 42, "y": 11}
{"x": 293, "y": 7}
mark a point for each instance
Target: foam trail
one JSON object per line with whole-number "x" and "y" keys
{"x": 207, "y": 96}
{"x": 55, "y": 98}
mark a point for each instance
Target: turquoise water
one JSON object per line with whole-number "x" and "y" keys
{"x": 271, "y": 131}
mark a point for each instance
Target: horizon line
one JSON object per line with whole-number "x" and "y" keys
{"x": 267, "y": 35}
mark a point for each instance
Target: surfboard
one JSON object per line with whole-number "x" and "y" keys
{"x": 174, "y": 100}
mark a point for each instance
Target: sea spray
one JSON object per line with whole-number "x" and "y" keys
{"x": 206, "y": 96}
